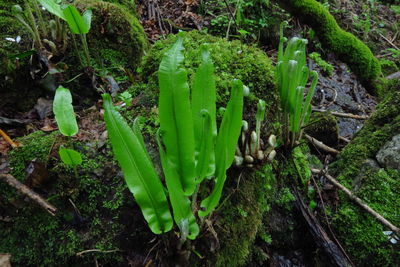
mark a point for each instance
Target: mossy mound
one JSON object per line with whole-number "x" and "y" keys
{"x": 10, "y": 28}
{"x": 94, "y": 210}
{"x": 360, "y": 233}
{"x": 344, "y": 44}
{"x": 116, "y": 37}
{"x": 232, "y": 60}
{"x": 324, "y": 127}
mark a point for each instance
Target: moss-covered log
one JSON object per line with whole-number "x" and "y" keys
{"x": 344, "y": 44}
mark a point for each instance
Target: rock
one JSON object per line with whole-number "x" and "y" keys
{"x": 389, "y": 155}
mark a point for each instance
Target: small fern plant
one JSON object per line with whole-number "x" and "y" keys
{"x": 292, "y": 77}
{"x": 191, "y": 149}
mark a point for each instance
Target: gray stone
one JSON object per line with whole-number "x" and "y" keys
{"x": 389, "y": 155}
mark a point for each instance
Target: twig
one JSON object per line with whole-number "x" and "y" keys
{"x": 358, "y": 201}
{"x": 79, "y": 254}
{"x": 390, "y": 42}
{"x": 328, "y": 223}
{"x": 8, "y": 139}
{"x": 9, "y": 179}
{"x": 344, "y": 139}
{"x": 343, "y": 115}
{"x": 321, "y": 145}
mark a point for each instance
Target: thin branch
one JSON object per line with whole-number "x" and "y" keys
{"x": 358, "y": 201}
{"x": 321, "y": 145}
{"x": 9, "y": 179}
{"x": 390, "y": 42}
{"x": 343, "y": 115}
{"x": 79, "y": 254}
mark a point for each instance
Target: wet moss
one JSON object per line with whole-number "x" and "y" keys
{"x": 116, "y": 34}
{"x": 91, "y": 210}
{"x": 344, "y": 44}
{"x": 232, "y": 60}
{"x": 361, "y": 234}
{"x": 240, "y": 218}
{"x": 324, "y": 127}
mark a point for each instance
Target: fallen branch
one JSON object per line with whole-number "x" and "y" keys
{"x": 9, "y": 179}
{"x": 343, "y": 115}
{"x": 358, "y": 201}
{"x": 390, "y": 42}
{"x": 321, "y": 145}
{"x": 79, "y": 254}
{"x": 321, "y": 238}
{"x": 8, "y": 139}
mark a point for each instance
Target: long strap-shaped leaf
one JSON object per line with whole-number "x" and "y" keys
{"x": 205, "y": 126}
{"x": 76, "y": 22}
{"x": 53, "y": 7}
{"x": 175, "y": 115}
{"x": 182, "y": 211}
{"x": 139, "y": 172}
{"x": 226, "y": 144}
{"x": 64, "y": 112}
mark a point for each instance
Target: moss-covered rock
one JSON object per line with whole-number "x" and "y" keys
{"x": 324, "y": 127}
{"x": 360, "y": 233}
{"x": 239, "y": 219}
{"x": 345, "y": 45}
{"x": 116, "y": 37}
{"x": 92, "y": 210}
{"x": 232, "y": 60}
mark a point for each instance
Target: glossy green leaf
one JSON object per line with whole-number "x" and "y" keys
{"x": 181, "y": 208}
{"x": 53, "y": 7}
{"x": 205, "y": 127}
{"x": 75, "y": 21}
{"x": 64, "y": 112}
{"x": 139, "y": 172}
{"x": 70, "y": 156}
{"x": 87, "y": 17}
{"x": 175, "y": 115}
{"x": 227, "y": 138}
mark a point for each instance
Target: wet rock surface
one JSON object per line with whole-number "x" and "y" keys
{"x": 343, "y": 93}
{"x": 389, "y": 155}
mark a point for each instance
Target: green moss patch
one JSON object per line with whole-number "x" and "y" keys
{"x": 361, "y": 234}
{"x": 116, "y": 34}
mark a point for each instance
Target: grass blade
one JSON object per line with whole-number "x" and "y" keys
{"x": 139, "y": 172}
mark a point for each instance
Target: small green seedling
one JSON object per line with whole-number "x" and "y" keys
{"x": 66, "y": 121}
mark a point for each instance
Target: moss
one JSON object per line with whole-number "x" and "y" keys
{"x": 91, "y": 211}
{"x": 116, "y": 33}
{"x": 359, "y": 231}
{"x": 325, "y": 66}
{"x": 324, "y": 127}
{"x": 240, "y": 218}
{"x": 10, "y": 27}
{"x": 232, "y": 60}
{"x": 345, "y": 45}
{"x": 388, "y": 67}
